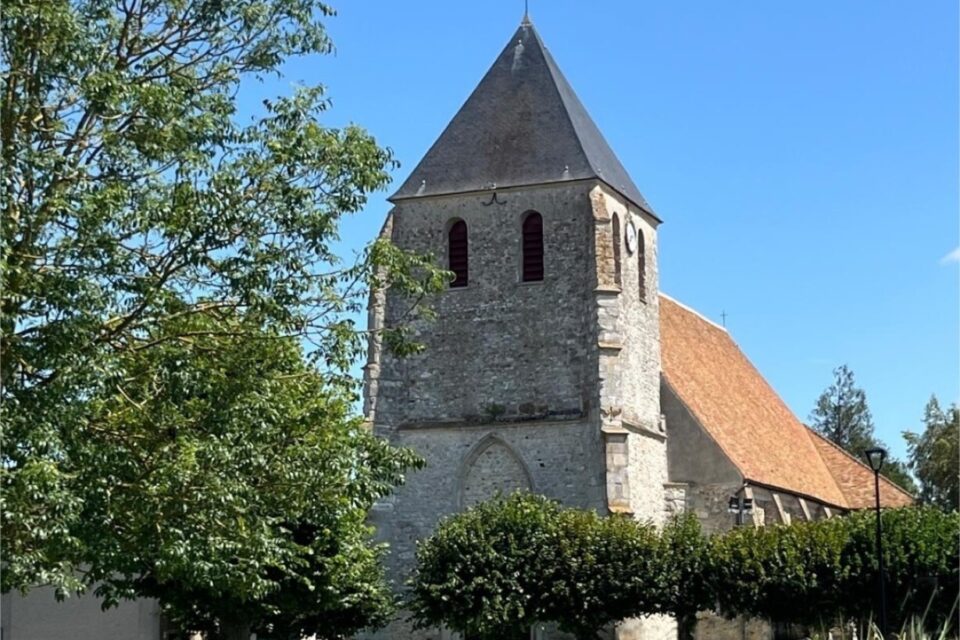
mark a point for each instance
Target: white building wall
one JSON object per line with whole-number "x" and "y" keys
{"x": 38, "y": 616}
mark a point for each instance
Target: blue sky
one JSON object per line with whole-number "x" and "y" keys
{"x": 803, "y": 157}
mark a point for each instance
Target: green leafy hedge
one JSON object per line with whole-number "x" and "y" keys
{"x": 511, "y": 563}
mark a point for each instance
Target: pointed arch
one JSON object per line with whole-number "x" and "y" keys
{"x": 532, "y": 247}
{"x": 642, "y": 264}
{"x": 490, "y": 466}
{"x": 615, "y": 231}
{"x": 458, "y": 252}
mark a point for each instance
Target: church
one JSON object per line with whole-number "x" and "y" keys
{"x": 554, "y": 363}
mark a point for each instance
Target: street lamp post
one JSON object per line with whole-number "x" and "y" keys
{"x": 875, "y": 458}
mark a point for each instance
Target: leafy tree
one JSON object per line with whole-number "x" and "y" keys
{"x": 684, "y": 552}
{"x": 787, "y": 574}
{"x": 842, "y": 416}
{"x": 934, "y": 455}
{"x": 508, "y": 564}
{"x": 159, "y": 255}
{"x": 229, "y": 481}
{"x": 606, "y": 569}
{"x": 920, "y": 558}
{"x": 485, "y": 573}
{"x": 818, "y": 573}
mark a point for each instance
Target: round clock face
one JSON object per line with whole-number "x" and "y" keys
{"x": 631, "y": 237}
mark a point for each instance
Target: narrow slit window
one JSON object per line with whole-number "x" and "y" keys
{"x": 642, "y": 265}
{"x": 457, "y": 260}
{"x": 615, "y": 228}
{"x": 532, "y": 247}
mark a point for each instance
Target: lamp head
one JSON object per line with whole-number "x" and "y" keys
{"x": 875, "y": 458}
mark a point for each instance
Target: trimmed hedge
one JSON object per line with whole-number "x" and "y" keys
{"x": 508, "y": 564}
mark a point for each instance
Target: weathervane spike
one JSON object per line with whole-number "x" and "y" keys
{"x": 526, "y": 12}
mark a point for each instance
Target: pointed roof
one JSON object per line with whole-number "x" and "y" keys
{"x": 522, "y": 125}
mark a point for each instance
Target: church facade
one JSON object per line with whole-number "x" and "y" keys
{"x": 554, "y": 363}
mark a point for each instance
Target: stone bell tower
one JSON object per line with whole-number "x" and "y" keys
{"x": 541, "y": 369}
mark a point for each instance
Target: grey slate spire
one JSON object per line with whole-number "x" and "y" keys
{"x": 522, "y": 125}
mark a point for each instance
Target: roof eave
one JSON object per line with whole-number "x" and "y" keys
{"x": 397, "y": 197}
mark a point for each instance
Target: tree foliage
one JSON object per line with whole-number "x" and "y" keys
{"x": 507, "y": 565}
{"x": 920, "y": 558}
{"x": 486, "y": 572}
{"x": 787, "y": 574}
{"x": 818, "y": 573}
{"x": 164, "y": 432}
{"x": 685, "y": 556}
{"x": 604, "y": 569}
{"x": 842, "y": 416}
{"x": 934, "y": 455}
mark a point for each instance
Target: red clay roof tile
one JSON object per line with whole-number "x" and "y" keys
{"x": 855, "y": 478}
{"x": 750, "y": 422}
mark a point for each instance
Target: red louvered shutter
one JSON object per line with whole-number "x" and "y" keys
{"x": 642, "y": 265}
{"x": 457, "y": 253}
{"x": 532, "y": 247}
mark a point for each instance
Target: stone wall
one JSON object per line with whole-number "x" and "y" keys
{"x": 561, "y": 460}
{"x": 499, "y": 347}
{"x": 491, "y": 469}
{"x": 523, "y": 385}
{"x": 674, "y": 499}
{"x": 628, "y": 356}
{"x": 38, "y": 616}
{"x": 713, "y": 627}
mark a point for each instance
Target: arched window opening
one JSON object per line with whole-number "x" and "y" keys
{"x": 532, "y": 247}
{"x": 457, "y": 260}
{"x": 490, "y": 468}
{"x": 642, "y": 264}
{"x": 615, "y": 227}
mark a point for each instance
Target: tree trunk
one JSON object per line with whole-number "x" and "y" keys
{"x": 686, "y": 624}
{"x": 236, "y": 631}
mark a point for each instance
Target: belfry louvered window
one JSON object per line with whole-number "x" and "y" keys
{"x": 457, "y": 260}
{"x": 642, "y": 265}
{"x": 532, "y": 247}
{"x": 615, "y": 229}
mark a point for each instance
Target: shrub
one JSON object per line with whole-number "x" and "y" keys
{"x": 505, "y": 565}
{"x": 920, "y": 554}
{"x": 508, "y": 564}
{"x": 684, "y": 554}
{"x": 790, "y": 574}
{"x": 485, "y": 572}
{"x": 607, "y": 569}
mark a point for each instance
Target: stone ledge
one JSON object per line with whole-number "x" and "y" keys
{"x": 465, "y": 424}
{"x": 610, "y": 346}
{"x": 608, "y": 289}
{"x": 644, "y": 431}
